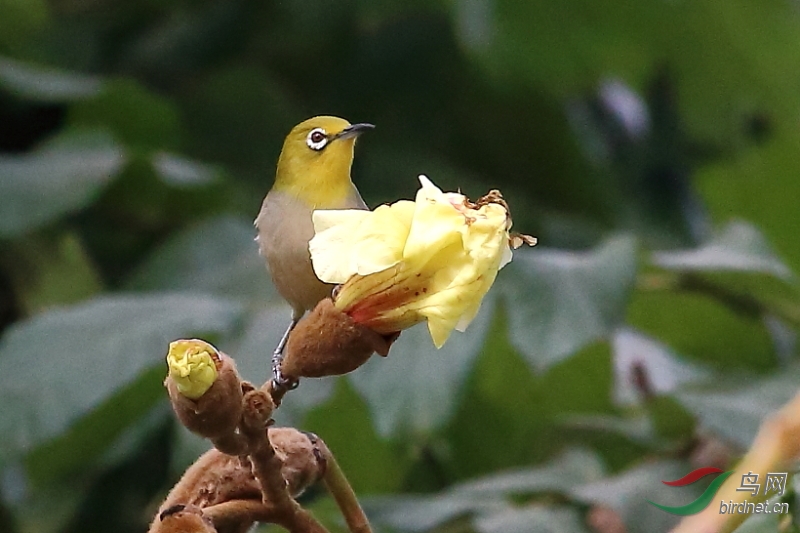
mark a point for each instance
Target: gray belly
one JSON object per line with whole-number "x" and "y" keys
{"x": 284, "y": 229}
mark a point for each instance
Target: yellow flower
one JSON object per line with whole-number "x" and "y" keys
{"x": 192, "y": 366}
{"x": 432, "y": 259}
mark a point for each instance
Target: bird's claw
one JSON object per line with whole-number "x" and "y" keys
{"x": 277, "y": 358}
{"x": 277, "y": 376}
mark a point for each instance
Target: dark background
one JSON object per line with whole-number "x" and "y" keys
{"x": 652, "y": 148}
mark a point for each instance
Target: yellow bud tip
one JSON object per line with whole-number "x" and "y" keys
{"x": 192, "y": 366}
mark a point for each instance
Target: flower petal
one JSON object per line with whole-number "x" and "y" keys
{"x": 431, "y": 260}
{"x": 380, "y": 238}
{"x": 332, "y": 246}
{"x": 436, "y": 224}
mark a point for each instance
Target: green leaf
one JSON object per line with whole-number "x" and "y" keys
{"x": 736, "y": 407}
{"x": 486, "y": 498}
{"x": 106, "y": 435}
{"x": 537, "y": 518}
{"x": 628, "y": 492}
{"x": 415, "y": 389}
{"x": 186, "y": 448}
{"x": 130, "y": 441}
{"x": 671, "y": 421}
{"x": 760, "y": 523}
{"x": 759, "y": 185}
{"x": 238, "y": 114}
{"x": 50, "y": 508}
{"x": 701, "y": 328}
{"x": 739, "y": 246}
{"x": 560, "y": 301}
{"x": 560, "y": 474}
{"x": 59, "y": 178}
{"x": 503, "y": 398}
{"x": 57, "y": 366}
{"x": 181, "y": 171}
{"x": 46, "y": 84}
{"x": 137, "y": 116}
{"x": 503, "y": 405}
{"x": 580, "y": 384}
{"x": 422, "y": 513}
{"x": 216, "y": 255}
{"x": 637, "y": 355}
{"x": 372, "y": 464}
{"x": 20, "y": 20}
{"x": 50, "y": 271}
{"x": 638, "y": 429}
{"x": 564, "y": 47}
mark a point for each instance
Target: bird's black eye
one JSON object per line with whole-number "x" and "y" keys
{"x": 317, "y": 139}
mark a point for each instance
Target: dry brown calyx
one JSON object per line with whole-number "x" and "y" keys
{"x": 327, "y": 342}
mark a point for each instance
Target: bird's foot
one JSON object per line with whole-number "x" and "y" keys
{"x": 281, "y": 382}
{"x": 278, "y": 380}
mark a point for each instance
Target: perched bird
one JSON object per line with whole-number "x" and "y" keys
{"x": 313, "y": 173}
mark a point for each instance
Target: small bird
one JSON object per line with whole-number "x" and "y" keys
{"x": 313, "y": 173}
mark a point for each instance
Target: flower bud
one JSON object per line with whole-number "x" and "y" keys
{"x": 216, "y": 411}
{"x": 192, "y": 366}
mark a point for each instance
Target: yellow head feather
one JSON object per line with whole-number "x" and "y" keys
{"x": 314, "y": 165}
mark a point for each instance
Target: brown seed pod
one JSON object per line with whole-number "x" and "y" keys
{"x": 217, "y": 412}
{"x": 303, "y": 460}
{"x": 328, "y": 343}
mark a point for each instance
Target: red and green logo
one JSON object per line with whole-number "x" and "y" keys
{"x": 692, "y": 477}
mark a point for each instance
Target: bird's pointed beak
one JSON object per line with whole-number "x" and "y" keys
{"x": 353, "y": 130}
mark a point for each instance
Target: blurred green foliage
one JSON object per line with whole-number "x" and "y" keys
{"x": 651, "y": 147}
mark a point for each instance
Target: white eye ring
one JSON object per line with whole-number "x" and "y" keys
{"x": 317, "y": 139}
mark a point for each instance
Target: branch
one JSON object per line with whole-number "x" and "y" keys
{"x": 343, "y": 493}
{"x": 255, "y": 471}
{"x": 224, "y": 489}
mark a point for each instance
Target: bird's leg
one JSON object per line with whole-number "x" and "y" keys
{"x": 277, "y": 356}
